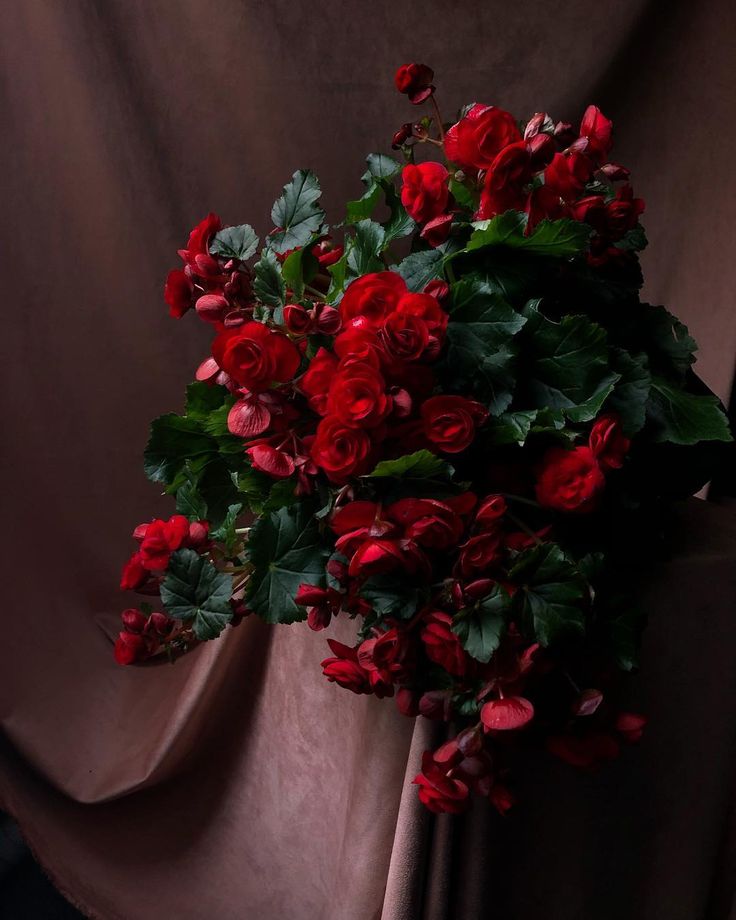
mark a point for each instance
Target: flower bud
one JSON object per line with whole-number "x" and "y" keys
{"x": 133, "y": 620}
{"x": 211, "y": 307}
{"x": 297, "y": 320}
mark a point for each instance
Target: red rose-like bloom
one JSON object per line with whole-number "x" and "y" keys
{"x": 315, "y": 382}
{"x": 608, "y": 442}
{"x": 569, "y": 480}
{"x": 255, "y": 356}
{"x": 405, "y": 336}
{"x": 130, "y": 648}
{"x": 442, "y": 645}
{"x": 439, "y": 792}
{"x": 479, "y": 553}
{"x": 425, "y": 307}
{"x": 358, "y": 397}
{"x": 373, "y": 296}
{"x": 598, "y": 130}
{"x": 340, "y": 451}
{"x": 424, "y": 192}
{"x": 437, "y": 230}
{"x": 161, "y": 539}
{"x": 134, "y": 574}
{"x": 415, "y": 81}
{"x": 567, "y": 174}
{"x": 480, "y": 136}
{"x": 450, "y": 421}
{"x": 197, "y": 254}
{"x": 178, "y": 292}
{"x": 623, "y": 212}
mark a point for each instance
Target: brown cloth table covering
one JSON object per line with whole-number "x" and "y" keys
{"x": 239, "y": 783}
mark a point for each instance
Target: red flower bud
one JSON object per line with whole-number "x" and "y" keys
{"x": 133, "y": 620}
{"x": 415, "y": 81}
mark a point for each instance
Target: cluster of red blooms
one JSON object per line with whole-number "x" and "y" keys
{"x": 542, "y": 172}
{"x": 320, "y": 393}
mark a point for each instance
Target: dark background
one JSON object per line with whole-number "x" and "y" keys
{"x": 126, "y": 121}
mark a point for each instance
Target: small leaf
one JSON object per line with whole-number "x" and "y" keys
{"x": 173, "y": 441}
{"x": 390, "y": 596}
{"x": 420, "y": 465}
{"x": 368, "y": 243}
{"x": 269, "y": 284}
{"x": 419, "y": 268}
{"x": 510, "y": 427}
{"x": 190, "y": 503}
{"x": 296, "y": 213}
{"x": 193, "y": 590}
{"x": 551, "y": 592}
{"x": 685, "y": 418}
{"x": 225, "y": 533}
{"x": 480, "y": 629}
{"x": 235, "y": 243}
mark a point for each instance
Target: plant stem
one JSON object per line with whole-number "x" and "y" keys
{"x": 438, "y": 119}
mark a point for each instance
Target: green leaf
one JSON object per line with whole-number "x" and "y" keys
{"x": 420, "y": 465}
{"x": 633, "y": 240}
{"x": 670, "y": 345}
{"x": 298, "y": 269}
{"x": 568, "y": 364}
{"x": 559, "y": 238}
{"x": 550, "y": 594}
{"x": 419, "y": 268}
{"x": 685, "y": 418}
{"x": 203, "y": 399}
{"x": 173, "y": 441}
{"x": 480, "y": 355}
{"x": 623, "y": 631}
{"x": 382, "y": 166}
{"x": 338, "y": 273}
{"x": 480, "y": 628}
{"x": 235, "y": 243}
{"x": 189, "y": 502}
{"x": 629, "y": 396}
{"x": 368, "y": 243}
{"x": 194, "y": 591}
{"x": 225, "y": 533}
{"x": 286, "y": 550}
{"x": 296, "y": 213}
{"x": 390, "y": 596}
{"x": 269, "y": 286}
{"x": 463, "y": 195}
{"x": 399, "y": 223}
{"x": 510, "y": 427}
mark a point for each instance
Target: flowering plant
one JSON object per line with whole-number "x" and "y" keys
{"x": 456, "y": 427}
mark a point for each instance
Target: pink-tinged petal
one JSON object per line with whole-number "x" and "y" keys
{"x": 207, "y": 370}
{"x": 353, "y": 516}
{"x": 587, "y": 703}
{"x": 507, "y": 714}
{"x": 248, "y": 418}
{"x": 271, "y": 461}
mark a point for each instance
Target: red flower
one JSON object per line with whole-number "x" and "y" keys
{"x": 569, "y": 480}
{"x": 436, "y": 231}
{"x": 415, "y": 81}
{"x": 134, "y": 573}
{"x": 345, "y": 669}
{"x": 373, "y": 297}
{"x": 405, "y": 336}
{"x": 630, "y": 725}
{"x": 424, "y": 191}
{"x": 178, "y": 292}
{"x": 270, "y": 460}
{"x": 130, "y": 648}
{"x": 197, "y": 255}
{"x": 479, "y": 554}
{"x": 598, "y": 130}
{"x": 326, "y": 253}
{"x": 429, "y": 522}
{"x": 160, "y": 540}
{"x": 358, "y": 397}
{"x": 450, "y": 421}
{"x": 623, "y": 212}
{"x": 315, "y": 382}
{"x": 376, "y": 557}
{"x": 442, "y": 645}
{"x": 256, "y": 356}
{"x": 506, "y": 714}
{"x": 503, "y": 187}
{"x": 424, "y": 307}
{"x": 608, "y": 442}
{"x": 340, "y": 451}
{"x": 438, "y": 791}
{"x": 567, "y": 174}
{"x": 389, "y": 655}
{"x": 479, "y": 136}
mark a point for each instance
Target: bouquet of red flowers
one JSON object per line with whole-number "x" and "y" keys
{"x": 457, "y": 427}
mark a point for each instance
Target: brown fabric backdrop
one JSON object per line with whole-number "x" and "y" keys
{"x": 227, "y": 792}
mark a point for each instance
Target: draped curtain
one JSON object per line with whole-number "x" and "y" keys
{"x": 238, "y": 783}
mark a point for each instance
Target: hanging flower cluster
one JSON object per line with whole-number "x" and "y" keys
{"x": 455, "y": 427}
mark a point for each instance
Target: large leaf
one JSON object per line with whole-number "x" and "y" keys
{"x": 419, "y": 268}
{"x": 568, "y": 365}
{"x": 392, "y": 596}
{"x": 510, "y": 427}
{"x": 480, "y": 628}
{"x": 363, "y": 255}
{"x": 551, "y": 592}
{"x": 420, "y": 465}
{"x": 193, "y": 590}
{"x": 629, "y": 396}
{"x": 174, "y": 440}
{"x": 381, "y": 169}
{"x": 479, "y": 351}
{"x": 190, "y": 502}
{"x": 296, "y": 213}
{"x": 235, "y": 243}
{"x": 685, "y": 418}
{"x": 269, "y": 284}
{"x": 286, "y": 549}
{"x": 558, "y": 238}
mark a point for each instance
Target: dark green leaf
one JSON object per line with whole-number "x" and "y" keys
{"x": 420, "y": 465}
{"x": 286, "y": 549}
{"x": 629, "y": 396}
{"x": 419, "y": 268}
{"x": 368, "y": 243}
{"x": 203, "y": 399}
{"x": 463, "y": 195}
{"x": 510, "y": 427}
{"x": 269, "y": 284}
{"x": 194, "y": 591}
{"x": 382, "y": 166}
{"x": 189, "y": 502}
{"x": 225, "y": 533}
{"x": 296, "y": 213}
{"x": 685, "y": 418}
{"x": 480, "y": 628}
{"x": 338, "y": 272}
{"x": 235, "y": 243}
{"x": 551, "y": 592}
{"x": 670, "y": 345}
{"x": 174, "y": 440}
{"x": 390, "y": 596}
{"x": 558, "y": 238}
{"x": 634, "y": 240}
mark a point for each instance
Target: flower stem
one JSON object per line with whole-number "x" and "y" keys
{"x": 438, "y": 119}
